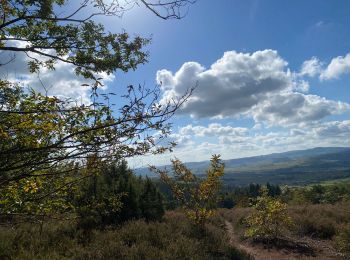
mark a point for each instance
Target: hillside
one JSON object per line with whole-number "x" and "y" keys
{"x": 298, "y": 167}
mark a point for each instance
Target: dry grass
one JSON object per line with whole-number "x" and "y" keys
{"x": 173, "y": 238}
{"x": 320, "y": 221}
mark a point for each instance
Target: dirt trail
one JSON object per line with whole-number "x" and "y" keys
{"x": 259, "y": 252}
{"x": 234, "y": 240}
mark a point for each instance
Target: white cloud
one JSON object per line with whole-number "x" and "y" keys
{"x": 231, "y": 86}
{"x": 213, "y": 130}
{"x": 337, "y": 67}
{"x": 295, "y": 108}
{"x": 233, "y": 140}
{"x": 300, "y": 85}
{"x": 180, "y": 139}
{"x": 333, "y": 133}
{"x": 311, "y": 67}
{"x": 257, "y": 85}
{"x": 334, "y": 129}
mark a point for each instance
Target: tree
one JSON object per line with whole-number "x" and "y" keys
{"x": 98, "y": 200}
{"x": 41, "y": 28}
{"x": 198, "y": 196}
{"x": 48, "y": 144}
{"x": 46, "y": 139}
{"x": 39, "y": 133}
{"x": 116, "y": 195}
{"x": 151, "y": 202}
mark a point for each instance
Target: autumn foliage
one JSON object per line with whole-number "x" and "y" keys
{"x": 269, "y": 220}
{"x": 197, "y": 196}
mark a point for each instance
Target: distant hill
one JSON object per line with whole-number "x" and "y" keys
{"x": 298, "y": 167}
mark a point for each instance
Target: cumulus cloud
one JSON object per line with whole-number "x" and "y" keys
{"x": 257, "y": 85}
{"x": 337, "y": 67}
{"x": 295, "y": 108}
{"x": 233, "y": 140}
{"x": 333, "y": 129}
{"x": 62, "y": 82}
{"x": 311, "y": 67}
{"x": 180, "y": 139}
{"x": 232, "y": 85}
{"x": 214, "y": 129}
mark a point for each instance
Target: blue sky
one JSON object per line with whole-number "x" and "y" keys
{"x": 315, "y": 110}
{"x": 273, "y": 75}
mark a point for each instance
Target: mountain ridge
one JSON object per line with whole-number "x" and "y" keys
{"x": 296, "y": 167}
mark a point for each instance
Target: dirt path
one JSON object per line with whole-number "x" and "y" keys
{"x": 259, "y": 252}
{"x": 234, "y": 240}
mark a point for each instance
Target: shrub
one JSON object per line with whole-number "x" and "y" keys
{"x": 321, "y": 228}
{"x": 321, "y": 220}
{"x": 342, "y": 240}
{"x": 270, "y": 220}
{"x": 174, "y": 238}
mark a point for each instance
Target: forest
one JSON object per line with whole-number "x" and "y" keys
{"x": 66, "y": 188}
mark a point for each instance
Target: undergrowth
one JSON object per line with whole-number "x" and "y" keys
{"x": 174, "y": 238}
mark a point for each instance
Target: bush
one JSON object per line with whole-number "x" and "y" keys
{"x": 342, "y": 240}
{"x": 6, "y": 246}
{"x": 321, "y": 228}
{"x": 270, "y": 220}
{"x": 321, "y": 220}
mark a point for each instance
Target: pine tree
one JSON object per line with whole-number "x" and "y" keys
{"x": 151, "y": 202}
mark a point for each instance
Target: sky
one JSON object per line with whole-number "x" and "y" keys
{"x": 271, "y": 75}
